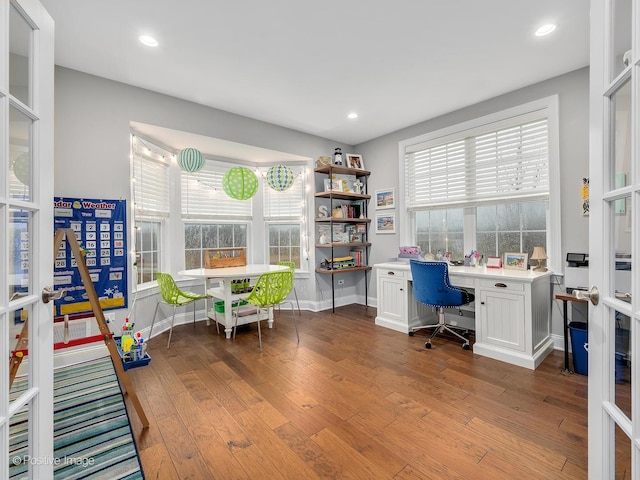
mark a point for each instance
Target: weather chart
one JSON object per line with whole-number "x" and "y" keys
{"x": 100, "y": 228}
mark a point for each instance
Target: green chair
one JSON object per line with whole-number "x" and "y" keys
{"x": 271, "y": 289}
{"x": 172, "y": 295}
{"x": 292, "y": 267}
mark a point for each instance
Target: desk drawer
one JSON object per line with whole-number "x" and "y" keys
{"x": 392, "y": 273}
{"x": 462, "y": 281}
{"x": 502, "y": 285}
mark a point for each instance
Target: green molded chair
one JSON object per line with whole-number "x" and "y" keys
{"x": 172, "y": 295}
{"x": 271, "y": 289}
{"x": 292, "y": 267}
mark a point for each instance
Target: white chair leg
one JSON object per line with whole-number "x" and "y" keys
{"x": 297, "y": 303}
{"x": 259, "y": 332}
{"x": 295, "y": 324}
{"x": 171, "y": 329}
{"x": 194, "y": 314}
{"x": 153, "y": 321}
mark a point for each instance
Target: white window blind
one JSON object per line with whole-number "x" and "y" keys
{"x": 203, "y": 196}
{"x": 151, "y": 186}
{"x": 285, "y": 205}
{"x": 509, "y": 163}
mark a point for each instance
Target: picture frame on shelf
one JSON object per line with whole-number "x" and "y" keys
{"x": 354, "y": 160}
{"x": 332, "y": 185}
{"x": 516, "y": 261}
{"x": 385, "y": 199}
{"x": 355, "y": 238}
{"x": 386, "y": 223}
{"x": 361, "y": 228}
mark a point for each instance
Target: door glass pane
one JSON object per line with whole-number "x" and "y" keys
{"x": 621, "y": 140}
{"x": 19, "y": 257}
{"x": 19, "y": 56}
{"x": 19, "y": 456}
{"x": 621, "y": 41}
{"x": 623, "y": 455}
{"x": 20, "y": 155}
{"x": 623, "y": 261}
{"x": 622, "y": 363}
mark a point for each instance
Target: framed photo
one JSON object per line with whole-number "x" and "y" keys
{"x": 355, "y": 161}
{"x": 355, "y": 238}
{"x": 332, "y": 185}
{"x": 361, "y": 228}
{"x": 516, "y": 261}
{"x": 385, "y": 199}
{"x": 494, "y": 262}
{"x": 386, "y": 223}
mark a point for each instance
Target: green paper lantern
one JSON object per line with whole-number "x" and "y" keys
{"x": 21, "y": 169}
{"x": 240, "y": 183}
{"x": 280, "y": 177}
{"x": 190, "y": 160}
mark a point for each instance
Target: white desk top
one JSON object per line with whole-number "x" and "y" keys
{"x": 478, "y": 272}
{"x": 252, "y": 270}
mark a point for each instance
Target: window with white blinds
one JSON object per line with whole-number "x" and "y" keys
{"x": 203, "y": 196}
{"x": 151, "y": 182}
{"x": 496, "y": 163}
{"x": 285, "y": 205}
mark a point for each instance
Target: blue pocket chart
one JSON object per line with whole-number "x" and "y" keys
{"x": 101, "y": 229}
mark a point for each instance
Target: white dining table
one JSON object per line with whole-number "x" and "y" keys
{"x": 225, "y": 277}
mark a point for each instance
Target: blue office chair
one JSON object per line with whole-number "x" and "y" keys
{"x": 431, "y": 286}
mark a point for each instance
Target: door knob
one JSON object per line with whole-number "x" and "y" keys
{"x": 593, "y": 295}
{"x": 48, "y": 294}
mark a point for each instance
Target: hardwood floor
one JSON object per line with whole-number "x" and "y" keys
{"x": 353, "y": 401}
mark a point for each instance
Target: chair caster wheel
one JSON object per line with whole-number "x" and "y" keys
{"x": 427, "y": 345}
{"x": 465, "y": 346}
{"x": 411, "y": 333}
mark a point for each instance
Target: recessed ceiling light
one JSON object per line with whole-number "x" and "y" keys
{"x": 352, "y": 115}
{"x": 545, "y": 30}
{"x": 148, "y": 41}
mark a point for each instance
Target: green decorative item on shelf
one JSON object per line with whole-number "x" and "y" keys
{"x": 190, "y": 160}
{"x": 280, "y": 177}
{"x": 240, "y": 183}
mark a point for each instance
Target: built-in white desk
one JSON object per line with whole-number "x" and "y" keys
{"x": 512, "y": 309}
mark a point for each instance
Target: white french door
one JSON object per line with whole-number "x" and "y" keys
{"x": 26, "y": 241}
{"x": 614, "y": 240}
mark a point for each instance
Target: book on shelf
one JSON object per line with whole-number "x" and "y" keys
{"x": 347, "y": 210}
{"x": 357, "y": 254}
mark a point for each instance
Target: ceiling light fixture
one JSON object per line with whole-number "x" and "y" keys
{"x": 545, "y": 30}
{"x": 148, "y": 41}
{"x": 352, "y": 115}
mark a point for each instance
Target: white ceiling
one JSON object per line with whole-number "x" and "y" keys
{"x": 306, "y": 65}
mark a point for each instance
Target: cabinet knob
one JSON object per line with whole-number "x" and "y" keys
{"x": 501, "y": 285}
{"x": 391, "y": 273}
{"x": 481, "y": 303}
{"x": 402, "y": 289}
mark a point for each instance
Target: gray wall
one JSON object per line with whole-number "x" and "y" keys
{"x": 381, "y": 157}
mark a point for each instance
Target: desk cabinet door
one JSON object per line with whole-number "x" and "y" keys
{"x": 503, "y": 319}
{"x": 392, "y": 298}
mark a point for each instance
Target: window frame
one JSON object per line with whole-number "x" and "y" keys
{"x": 550, "y": 106}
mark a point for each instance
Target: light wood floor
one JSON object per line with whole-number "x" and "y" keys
{"x": 352, "y": 401}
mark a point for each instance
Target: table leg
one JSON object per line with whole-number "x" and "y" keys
{"x": 206, "y": 305}
{"x": 566, "y": 337}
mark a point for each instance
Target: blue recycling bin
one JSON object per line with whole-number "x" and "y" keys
{"x": 579, "y": 347}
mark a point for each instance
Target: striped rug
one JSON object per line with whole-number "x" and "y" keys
{"x": 92, "y": 434}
